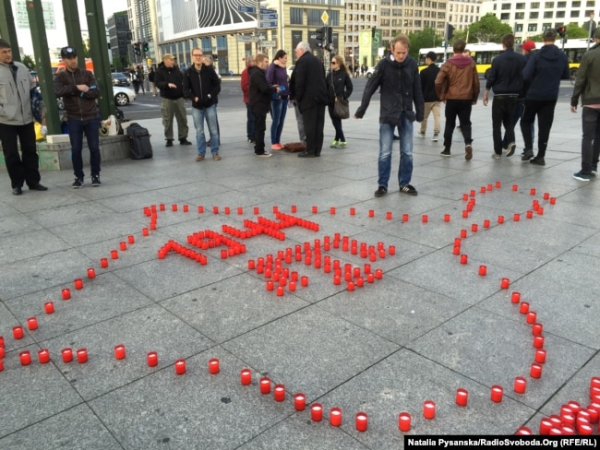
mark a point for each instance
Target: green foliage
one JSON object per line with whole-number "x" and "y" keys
{"x": 574, "y": 31}
{"x": 29, "y": 62}
{"x": 423, "y": 39}
{"x": 488, "y": 29}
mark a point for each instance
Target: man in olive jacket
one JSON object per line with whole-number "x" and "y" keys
{"x": 16, "y": 123}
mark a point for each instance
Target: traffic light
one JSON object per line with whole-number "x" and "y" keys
{"x": 449, "y": 32}
{"x": 561, "y": 31}
{"x": 329, "y": 35}
{"x": 146, "y": 47}
{"x": 320, "y": 36}
{"x": 373, "y": 30}
{"x": 136, "y": 48}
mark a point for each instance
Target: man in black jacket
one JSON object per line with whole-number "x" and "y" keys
{"x": 432, "y": 101}
{"x": 260, "y": 95}
{"x": 169, "y": 80}
{"x": 506, "y": 79}
{"x": 398, "y": 76}
{"x": 201, "y": 85}
{"x": 311, "y": 96}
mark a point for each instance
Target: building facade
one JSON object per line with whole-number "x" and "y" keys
{"x": 120, "y": 39}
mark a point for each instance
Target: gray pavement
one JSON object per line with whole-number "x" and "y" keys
{"x": 429, "y": 326}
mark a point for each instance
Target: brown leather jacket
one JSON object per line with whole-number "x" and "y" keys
{"x": 78, "y": 105}
{"x": 458, "y": 79}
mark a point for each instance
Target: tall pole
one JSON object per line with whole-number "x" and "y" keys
{"x": 8, "y": 30}
{"x": 74, "y": 29}
{"x": 257, "y": 29}
{"x": 590, "y": 29}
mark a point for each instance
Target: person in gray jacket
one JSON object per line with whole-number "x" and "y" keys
{"x": 16, "y": 122}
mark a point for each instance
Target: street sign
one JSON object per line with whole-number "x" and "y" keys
{"x": 242, "y": 38}
{"x": 325, "y": 17}
{"x": 267, "y": 11}
{"x": 268, "y": 24}
{"x": 247, "y": 9}
{"x": 267, "y": 44}
{"x": 269, "y": 16}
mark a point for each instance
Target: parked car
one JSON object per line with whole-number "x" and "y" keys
{"x": 290, "y": 70}
{"x": 123, "y": 95}
{"x": 370, "y": 72}
{"x": 120, "y": 79}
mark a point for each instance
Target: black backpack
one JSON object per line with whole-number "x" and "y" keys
{"x": 139, "y": 142}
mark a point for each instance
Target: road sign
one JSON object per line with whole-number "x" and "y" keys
{"x": 247, "y": 9}
{"x": 267, "y": 11}
{"x": 325, "y": 17}
{"x": 268, "y": 24}
{"x": 242, "y": 38}
{"x": 269, "y": 16}
{"x": 267, "y": 44}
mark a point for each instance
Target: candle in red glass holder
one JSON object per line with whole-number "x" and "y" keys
{"x": 227, "y": 210}
{"x": 114, "y": 254}
{"x": 32, "y": 323}
{"x": 538, "y": 341}
{"x": 537, "y": 329}
{"x": 352, "y": 211}
{"x": 123, "y": 245}
{"x": 520, "y": 385}
{"x": 279, "y": 392}
{"x": 424, "y": 218}
{"x": 120, "y": 351}
{"x": 575, "y": 406}
{"x": 529, "y": 214}
{"x": 251, "y": 264}
{"x": 463, "y": 259}
{"x": 67, "y": 355}
{"x": 362, "y": 421}
{"x": 536, "y": 371}
{"x": 213, "y": 366}
{"x": 545, "y": 426}
{"x": 462, "y": 397}
{"x": 429, "y": 409}
{"x": 524, "y": 308}
{"x": 463, "y": 233}
{"x": 335, "y": 416}
{"x": 299, "y": 401}
{"x": 315, "y": 210}
{"x": 540, "y": 356}
{"x": 404, "y": 420}
{"x": 245, "y": 377}
{"x": 465, "y": 213}
{"x": 515, "y": 187}
{"x": 474, "y": 228}
{"x": 66, "y": 294}
{"x": 78, "y": 283}
{"x": 180, "y": 366}
{"x": 446, "y": 217}
{"x": 44, "y": 356}
{"x": 483, "y": 270}
{"x": 145, "y": 232}
{"x": 82, "y": 356}
{"x": 292, "y": 286}
{"x": 388, "y": 215}
{"x": 515, "y": 297}
{"x": 531, "y": 317}
{"x": 18, "y": 332}
{"x": 486, "y": 223}
{"x": 524, "y": 431}
{"x": 265, "y": 385}
{"x": 49, "y": 307}
{"x": 505, "y": 283}
{"x": 584, "y": 428}
{"x": 532, "y": 191}
{"x": 350, "y": 286}
{"x": 152, "y": 359}
{"x": 316, "y": 412}
{"x": 91, "y": 273}
{"x": 332, "y": 210}
{"x": 25, "y": 358}
{"x": 404, "y": 217}
{"x": 594, "y": 412}
{"x": 304, "y": 280}
{"x": 500, "y": 219}
{"x": 497, "y": 393}
{"x": 371, "y": 213}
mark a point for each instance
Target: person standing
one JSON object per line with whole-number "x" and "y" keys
{"x": 79, "y": 92}
{"x": 277, "y": 76}
{"x": 457, "y": 85}
{"x": 151, "y": 75}
{"x": 261, "y": 93}
{"x": 245, "y": 85}
{"x": 339, "y": 85}
{"x": 16, "y": 123}
{"x": 432, "y": 101}
{"x": 169, "y": 80}
{"x": 543, "y": 70}
{"x": 398, "y": 77}
{"x": 297, "y": 112}
{"x": 134, "y": 79}
{"x": 506, "y": 79}
{"x": 311, "y": 95}
{"x": 587, "y": 86}
{"x": 141, "y": 77}
{"x": 201, "y": 85}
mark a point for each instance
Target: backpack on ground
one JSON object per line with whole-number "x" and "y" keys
{"x": 139, "y": 142}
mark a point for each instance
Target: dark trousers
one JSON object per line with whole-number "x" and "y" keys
{"x": 516, "y": 116}
{"x": 260, "y": 126}
{"x": 502, "y": 111}
{"x": 91, "y": 129}
{"x": 21, "y": 168}
{"x": 462, "y": 110}
{"x": 314, "y": 122}
{"x": 249, "y": 122}
{"x": 590, "y": 142}
{"x": 337, "y": 124}
{"x": 544, "y": 109}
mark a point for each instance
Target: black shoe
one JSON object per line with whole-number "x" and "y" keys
{"x": 169, "y": 142}
{"x": 183, "y": 142}
{"x": 38, "y": 187}
{"x": 527, "y": 155}
{"x": 381, "y": 191}
{"x": 17, "y": 191}
{"x": 511, "y": 149}
{"x": 78, "y": 183}
{"x": 96, "y": 180}
{"x": 538, "y": 161}
{"x": 408, "y": 189}
{"x": 251, "y": 141}
{"x": 396, "y": 138}
{"x": 305, "y": 155}
{"x": 446, "y": 153}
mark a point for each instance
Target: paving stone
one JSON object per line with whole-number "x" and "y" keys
{"x": 29, "y": 244}
{"x": 95, "y": 230}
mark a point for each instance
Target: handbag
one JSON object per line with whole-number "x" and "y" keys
{"x": 341, "y": 108}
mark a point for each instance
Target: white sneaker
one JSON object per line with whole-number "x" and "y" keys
{"x": 264, "y": 155}
{"x": 421, "y": 135}
{"x": 434, "y": 138}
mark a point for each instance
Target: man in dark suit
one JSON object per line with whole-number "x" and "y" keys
{"x": 311, "y": 95}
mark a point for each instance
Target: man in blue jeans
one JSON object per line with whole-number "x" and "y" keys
{"x": 201, "y": 84}
{"x": 79, "y": 92}
{"x": 398, "y": 76}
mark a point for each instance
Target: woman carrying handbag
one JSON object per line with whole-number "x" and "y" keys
{"x": 340, "y": 88}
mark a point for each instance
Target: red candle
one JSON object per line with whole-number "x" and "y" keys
{"x": 524, "y": 431}
{"x": 18, "y": 332}
{"x": 213, "y": 366}
{"x": 292, "y": 286}
{"x": 404, "y": 420}
{"x": 91, "y": 273}
{"x": 123, "y": 245}
{"x": 280, "y": 291}
{"x": 463, "y": 259}
{"x": 180, "y": 366}
{"x": 67, "y": 355}
{"x": 537, "y": 329}
{"x": 245, "y": 377}
{"x": 66, "y": 294}
{"x": 540, "y": 356}
{"x": 388, "y": 215}
{"x": 504, "y": 283}
{"x": 545, "y": 426}
{"x": 446, "y": 219}
{"x": 429, "y": 409}
{"x": 594, "y": 413}
{"x": 25, "y": 358}
{"x": 531, "y": 317}
{"x": 332, "y": 210}
{"x": 529, "y": 214}
{"x": 279, "y": 392}
{"x": 500, "y": 219}
{"x": 152, "y": 359}
{"x": 2, "y": 341}
{"x": 515, "y": 297}
{"x": 474, "y": 228}
{"x": 524, "y": 308}
{"x": 482, "y": 270}
{"x": 538, "y": 342}
{"x": 378, "y": 274}
{"x": 532, "y": 191}
{"x": 517, "y": 217}
{"x": 161, "y": 206}
{"x": 299, "y": 401}
{"x": 462, "y": 397}
{"x": 575, "y": 406}
{"x": 44, "y": 356}
{"x": 424, "y": 218}
{"x": 536, "y": 371}
{"x": 1, "y": 365}
{"x": 335, "y": 416}
{"x": 498, "y": 184}
{"x": 362, "y": 421}
{"x": 515, "y": 187}
{"x": 120, "y": 351}
{"x": 371, "y": 213}
{"x": 316, "y": 412}
{"x": 352, "y": 211}
{"x": 78, "y": 283}
{"x": 465, "y": 213}
{"x": 595, "y": 382}
{"x": 304, "y": 280}
{"x": 456, "y": 250}
{"x": 486, "y": 223}
{"x": 265, "y": 385}
{"x": 131, "y": 239}
{"x": 404, "y": 217}
{"x": 463, "y": 233}
{"x": 145, "y": 232}
{"x": 497, "y": 393}
{"x": 520, "y": 385}
{"x": 1, "y": 353}
{"x": 82, "y": 356}
{"x": 32, "y": 323}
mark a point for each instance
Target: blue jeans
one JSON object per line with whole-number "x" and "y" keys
{"x": 210, "y": 114}
{"x": 91, "y": 129}
{"x": 386, "y": 139}
{"x": 278, "y": 112}
{"x": 249, "y": 122}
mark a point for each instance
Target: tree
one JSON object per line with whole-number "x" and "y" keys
{"x": 488, "y": 29}
{"x": 574, "y": 31}
{"x": 29, "y": 62}
{"x": 423, "y": 39}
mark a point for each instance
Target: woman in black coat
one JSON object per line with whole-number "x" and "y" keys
{"x": 339, "y": 85}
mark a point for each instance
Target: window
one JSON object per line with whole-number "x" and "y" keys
{"x": 534, "y": 5}
{"x": 546, "y": 26}
{"x": 561, "y": 5}
{"x": 560, "y": 14}
{"x": 576, "y": 5}
{"x": 314, "y": 17}
{"x": 518, "y": 27}
{"x": 590, "y": 3}
{"x": 532, "y": 27}
{"x": 520, "y": 15}
{"x": 549, "y": 5}
{"x": 520, "y": 6}
{"x": 548, "y": 14}
{"x": 505, "y": 16}
{"x": 574, "y": 13}
{"x": 505, "y": 6}
{"x": 296, "y": 16}
{"x": 534, "y": 15}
